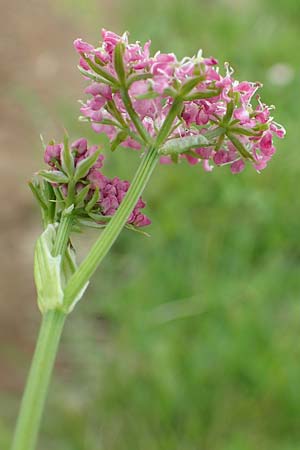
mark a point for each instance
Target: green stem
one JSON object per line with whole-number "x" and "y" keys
{"x": 113, "y": 229}
{"x": 167, "y": 125}
{"x": 35, "y": 393}
{"x": 38, "y": 381}
{"x": 134, "y": 116}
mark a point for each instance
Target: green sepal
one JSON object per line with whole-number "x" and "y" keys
{"x": 58, "y": 194}
{"x": 243, "y": 131}
{"x": 50, "y": 194}
{"x": 131, "y": 227}
{"x": 67, "y": 158}
{"x": 114, "y": 111}
{"x": 85, "y": 165}
{"x": 98, "y": 61}
{"x": 47, "y": 272}
{"x": 107, "y": 77}
{"x": 99, "y": 217}
{"x": 149, "y": 95}
{"x": 90, "y": 223}
{"x": 36, "y": 190}
{"x": 93, "y": 200}
{"x": 239, "y": 146}
{"x": 261, "y": 127}
{"x": 175, "y": 158}
{"x": 189, "y": 86}
{"x": 181, "y": 145}
{"x": 143, "y": 76}
{"x": 108, "y": 122}
{"x": 219, "y": 142}
{"x": 51, "y": 273}
{"x": 80, "y": 197}
{"x": 119, "y": 63}
{"x": 202, "y": 95}
{"x": 54, "y": 176}
{"x": 229, "y": 112}
{"x": 93, "y": 76}
{"x": 170, "y": 92}
{"x": 121, "y": 136}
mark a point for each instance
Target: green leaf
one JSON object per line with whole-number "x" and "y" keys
{"x": 54, "y": 176}
{"x": 181, "y": 145}
{"x": 85, "y": 165}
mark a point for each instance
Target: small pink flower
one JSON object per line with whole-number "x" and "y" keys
{"x": 82, "y": 47}
{"x": 237, "y": 166}
{"x": 83, "y": 64}
{"x": 210, "y": 61}
{"x": 110, "y": 40}
{"x": 241, "y": 114}
{"x": 97, "y": 179}
{"x": 80, "y": 145}
{"x": 278, "y": 130}
{"x": 52, "y": 153}
{"x": 90, "y": 151}
{"x": 99, "y": 89}
{"x": 204, "y": 152}
{"x": 190, "y": 112}
{"x": 220, "y": 157}
{"x": 266, "y": 142}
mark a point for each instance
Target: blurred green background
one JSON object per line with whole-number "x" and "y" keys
{"x": 188, "y": 340}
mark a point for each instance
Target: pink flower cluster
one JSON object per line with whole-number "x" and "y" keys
{"x": 153, "y": 82}
{"x": 111, "y": 191}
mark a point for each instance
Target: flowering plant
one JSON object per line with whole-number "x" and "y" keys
{"x": 170, "y": 111}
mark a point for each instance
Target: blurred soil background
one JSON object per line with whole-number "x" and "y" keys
{"x": 190, "y": 339}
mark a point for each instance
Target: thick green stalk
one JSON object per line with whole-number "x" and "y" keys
{"x": 113, "y": 229}
{"x": 35, "y": 393}
{"x": 38, "y": 381}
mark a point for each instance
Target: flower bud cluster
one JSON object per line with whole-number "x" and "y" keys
{"x": 122, "y": 74}
{"x": 75, "y": 172}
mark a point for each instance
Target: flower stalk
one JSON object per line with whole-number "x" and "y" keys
{"x": 35, "y": 393}
{"x": 113, "y": 229}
